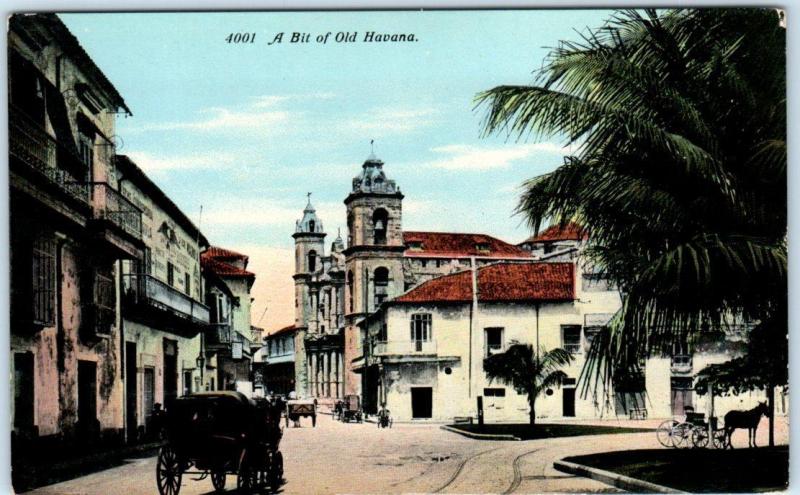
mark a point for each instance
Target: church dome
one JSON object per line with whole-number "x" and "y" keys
{"x": 309, "y": 223}
{"x": 372, "y": 178}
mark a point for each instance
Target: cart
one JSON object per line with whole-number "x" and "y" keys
{"x": 220, "y": 433}
{"x": 297, "y": 408}
{"x": 351, "y": 409}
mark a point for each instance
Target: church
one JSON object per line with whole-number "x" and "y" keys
{"x": 336, "y": 289}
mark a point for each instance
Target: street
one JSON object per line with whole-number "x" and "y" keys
{"x": 419, "y": 458}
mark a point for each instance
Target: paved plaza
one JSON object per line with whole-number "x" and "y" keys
{"x": 409, "y": 458}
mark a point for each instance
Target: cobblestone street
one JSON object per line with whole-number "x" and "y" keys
{"x": 360, "y": 458}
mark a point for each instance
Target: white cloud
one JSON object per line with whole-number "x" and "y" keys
{"x": 383, "y": 121}
{"x": 237, "y": 211}
{"x": 154, "y": 164}
{"x": 223, "y": 119}
{"x": 268, "y": 101}
{"x": 468, "y": 157}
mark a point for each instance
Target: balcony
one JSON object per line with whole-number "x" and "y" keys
{"x": 146, "y": 293}
{"x": 405, "y": 348}
{"x": 218, "y": 335}
{"x": 34, "y": 147}
{"x": 681, "y": 363}
{"x": 113, "y": 207}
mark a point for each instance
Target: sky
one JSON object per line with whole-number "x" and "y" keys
{"x": 245, "y": 130}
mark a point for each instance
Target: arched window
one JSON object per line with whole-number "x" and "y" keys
{"x": 381, "y": 285}
{"x": 350, "y": 291}
{"x": 312, "y": 261}
{"x": 380, "y": 223}
{"x": 311, "y": 225}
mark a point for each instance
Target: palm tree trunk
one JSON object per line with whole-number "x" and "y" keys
{"x": 532, "y": 417}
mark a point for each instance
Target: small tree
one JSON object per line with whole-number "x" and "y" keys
{"x": 529, "y": 372}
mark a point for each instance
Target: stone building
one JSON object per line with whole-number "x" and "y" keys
{"x": 319, "y": 309}
{"x": 70, "y": 228}
{"x": 163, "y": 312}
{"x": 278, "y": 361}
{"x": 228, "y": 345}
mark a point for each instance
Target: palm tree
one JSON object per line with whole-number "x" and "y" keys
{"x": 678, "y": 118}
{"x": 529, "y": 372}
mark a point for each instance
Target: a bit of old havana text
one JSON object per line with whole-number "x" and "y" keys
{"x": 323, "y": 38}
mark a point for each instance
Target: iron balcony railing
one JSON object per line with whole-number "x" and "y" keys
{"x": 34, "y": 146}
{"x": 404, "y": 347}
{"x": 109, "y": 204}
{"x": 146, "y": 289}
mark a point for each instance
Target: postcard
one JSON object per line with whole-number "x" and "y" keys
{"x": 398, "y": 251}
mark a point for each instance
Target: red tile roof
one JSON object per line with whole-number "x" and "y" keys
{"x": 287, "y": 329}
{"x": 457, "y": 245}
{"x": 570, "y": 232}
{"x": 223, "y": 269}
{"x": 500, "y": 282}
{"x": 222, "y": 253}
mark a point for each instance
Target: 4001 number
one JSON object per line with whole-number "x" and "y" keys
{"x": 241, "y": 38}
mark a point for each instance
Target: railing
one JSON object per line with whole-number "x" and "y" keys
{"x": 117, "y": 209}
{"x": 218, "y": 334}
{"x": 681, "y": 363}
{"x": 32, "y": 145}
{"x": 404, "y": 347}
{"x": 148, "y": 289}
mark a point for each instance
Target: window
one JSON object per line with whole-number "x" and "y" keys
{"x": 571, "y": 338}
{"x": 312, "y": 261}
{"x": 423, "y": 263}
{"x": 493, "y": 338}
{"x": 187, "y": 280}
{"x": 170, "y": 273}
{"x": 380, "y": 223}
{"x": 44, "y": 281}
{"x": 494, "y": 392}
{"x": 415, "y": 245}
{"x": 383, "y": 333}
{"x": 438, "y": 263}
{"x": 421, "y": 330}
{"x": 187, "y": 382}
{"x": 86, "y": 149}
{"x": 350, "y": 291}
{"x": 482, "y": 247}
{"x": 311, "y": 225}
{"x": 381, "y": 285}
{"x": 590, "y": 333}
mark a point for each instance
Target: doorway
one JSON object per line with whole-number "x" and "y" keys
{"x": 23, "y": 390}
{"x": 568, "y": 406}
{"x": 421, "y": 402}
{"x": 131, "y": 399}
{"x": 148, "y": 392}
{"x": 170, "y": 372}
{"x": 87, "y": 396}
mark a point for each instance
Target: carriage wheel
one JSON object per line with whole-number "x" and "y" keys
{"x": 247, "y": 479}
{"x": 168, "y": 472}
{"x": 682, "y": 436}
{"x": 700, "y": 437}
{"x": 665, "y": 431}
{"x": 275, "y": 471}
{"x": 218, "y": 480}
{"x": 719, "y": 440}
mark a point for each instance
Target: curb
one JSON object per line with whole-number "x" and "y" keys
{"x": 625, "y": 482}
{"x": 480, "y": 436}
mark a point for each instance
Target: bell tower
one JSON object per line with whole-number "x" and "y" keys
{"x": 374, "y": 254}
{"x": 309, "y": 248}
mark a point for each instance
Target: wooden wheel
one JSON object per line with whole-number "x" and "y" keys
{"x": 246, "y": 480}
{"x": 168, "y": 471}
{"x": 218, "y": 480}
{"x": 665, "y": 432}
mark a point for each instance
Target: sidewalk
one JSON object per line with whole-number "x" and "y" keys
{"x": 29, "y": 475}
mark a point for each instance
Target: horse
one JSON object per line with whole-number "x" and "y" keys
{"x": 745, "y": 419}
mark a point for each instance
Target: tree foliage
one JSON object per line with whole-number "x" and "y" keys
{"x": 528, "y": 371}
{"x": 678, "y": 119}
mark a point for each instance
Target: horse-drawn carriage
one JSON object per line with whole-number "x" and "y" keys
{"x": 349, "y": 409}
{"x": 297, "y": 408}
{"x": 219, "y": 433}
{"x": 695, "y": 431}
